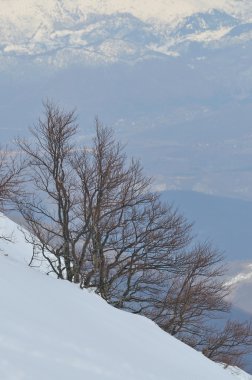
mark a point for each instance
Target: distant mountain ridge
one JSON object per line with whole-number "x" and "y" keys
{"x": 201, "y": 22}
{"x": 162, "y": 10}
{"x": 107, "y": 32}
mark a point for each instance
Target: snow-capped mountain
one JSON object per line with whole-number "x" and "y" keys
{"x": 178, "y": 70}
{"x": 161, "y": 10}
{"x": 61, "y": 32}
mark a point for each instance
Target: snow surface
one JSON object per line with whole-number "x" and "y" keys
{"x": 50, "y": 329}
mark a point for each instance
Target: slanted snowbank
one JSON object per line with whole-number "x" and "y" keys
{"x": 50, "y": 329}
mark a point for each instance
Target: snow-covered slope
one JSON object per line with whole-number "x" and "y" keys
{"x": 50, "y": 329}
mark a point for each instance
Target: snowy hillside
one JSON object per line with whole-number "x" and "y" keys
{"x": 51, "y": 329}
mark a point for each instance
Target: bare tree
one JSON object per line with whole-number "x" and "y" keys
{"x": 49, "y": 208}
{"x": 229, "y": 345}
{"x": 195, "y": 304}
{"x": 193, "y": 296}
{"x": 92, "y": 216}
{"x": 10, "y": 170}
{"x": 94, "y": 213}
{"x": 10, "y": 180}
